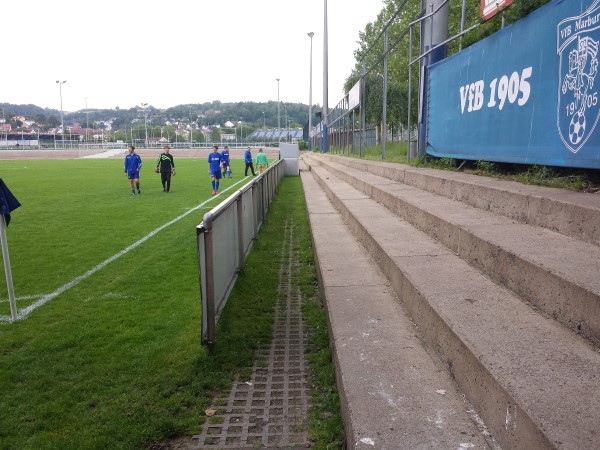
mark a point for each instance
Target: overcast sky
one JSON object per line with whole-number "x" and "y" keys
{"x": 126, "y": 52}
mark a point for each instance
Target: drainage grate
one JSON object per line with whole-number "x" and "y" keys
{"x": 269, "y": 411}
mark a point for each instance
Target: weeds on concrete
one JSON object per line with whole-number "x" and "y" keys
{"x": 581, "y": 180}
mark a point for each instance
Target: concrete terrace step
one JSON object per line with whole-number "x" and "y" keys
{"x": 573, "y": 214}
{"x": 535, "y": 384}
{"x": 557, "y": 274}
{"x": 393, "y": 394}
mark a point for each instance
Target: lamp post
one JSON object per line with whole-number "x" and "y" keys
{"x": 264, "y": 120}
{"x": 87, "y": 121}
{"x": 310, "y": 35}
{"x": 191, "y": 129}
{"x": 278, "y": 117}
{"x": 144, "y": 106}
{"x": 62, "y": 122}
{"x": 324, "y": 143}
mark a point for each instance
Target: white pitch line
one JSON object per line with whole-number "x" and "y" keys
{"x": 25, "y": 297}
{"x": 21, "y": 314}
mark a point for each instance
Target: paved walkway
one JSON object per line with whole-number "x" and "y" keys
{"x": 107, "y": 153}
{"x": 269, "y": 410}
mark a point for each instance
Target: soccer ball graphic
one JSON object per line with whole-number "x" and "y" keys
{"x": 577, "y": 128}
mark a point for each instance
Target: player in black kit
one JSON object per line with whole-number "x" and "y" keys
{"x": 166, "y": 166}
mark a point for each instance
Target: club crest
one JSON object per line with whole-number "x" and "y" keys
{"x": 578, "y": 98}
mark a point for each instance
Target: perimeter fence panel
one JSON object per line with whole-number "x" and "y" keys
{"x": 248, "y": 219}
{"x": 225, "y": 256}
{"x": 224, "y": 239}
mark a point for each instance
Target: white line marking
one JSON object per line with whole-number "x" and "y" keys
{"x": 46, "y": 298}
{"x": 25, "y": 297}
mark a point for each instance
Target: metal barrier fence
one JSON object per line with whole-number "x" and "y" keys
{"x": 234, "y": 225}
{"x": 381, "y": 106}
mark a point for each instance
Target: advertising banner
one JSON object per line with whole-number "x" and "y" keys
{"x": 489, "y": 8}
{"x": 354, "y": 96}
{"x": 527, "y": 94}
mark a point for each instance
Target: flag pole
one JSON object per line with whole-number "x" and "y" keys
{"x": 9, "y": 283}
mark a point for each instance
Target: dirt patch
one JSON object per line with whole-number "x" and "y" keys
{"x": 202, "y": 153}
{"x": 180, "y": 443}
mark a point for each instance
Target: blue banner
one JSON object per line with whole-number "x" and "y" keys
{"x": 527, "y": 94}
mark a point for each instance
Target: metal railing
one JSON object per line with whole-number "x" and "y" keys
{"x": 234, "y": 225}
{"x": 386, "y": 96}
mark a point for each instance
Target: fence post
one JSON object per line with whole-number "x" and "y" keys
{"x": 210, "y": 282}
{"x": 240, "y": 217}
{"x": 255, "y": 210}
{"x": 385, "y": 86}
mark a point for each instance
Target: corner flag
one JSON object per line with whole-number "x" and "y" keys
{"x": 8, "y": 203}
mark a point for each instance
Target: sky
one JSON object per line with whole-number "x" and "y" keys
{"x": 121, "y": 53}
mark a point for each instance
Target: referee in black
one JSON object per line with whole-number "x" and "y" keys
{"x": 166, "y": 165}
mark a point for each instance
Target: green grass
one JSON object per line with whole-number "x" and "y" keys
{"x": 115, "y": 361}
{"x": 394, "y": 152}
{"x": 583, "y": 180}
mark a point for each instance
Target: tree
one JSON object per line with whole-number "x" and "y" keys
{"x": 168, "y": 132}
{"x": 53, "y": 121}
{"x": 215, "y": 135}
{"x": 40, "y": 119}
{"x": 121, "y": 135}
{"x": 197, "y": 136}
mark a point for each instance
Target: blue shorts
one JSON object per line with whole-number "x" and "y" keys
{"x": 216, "y": 174}
{"x": 133, "y": 175}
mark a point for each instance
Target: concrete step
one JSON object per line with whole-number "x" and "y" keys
{"x": 556, "y": 273}
{"x": 572, "y": 214}
{"x": 394, "y": 392}
{"x": 535, "y": 384}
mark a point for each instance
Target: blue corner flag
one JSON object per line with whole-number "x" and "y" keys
{"x": 8, "y": 202}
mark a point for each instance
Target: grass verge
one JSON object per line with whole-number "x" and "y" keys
{"x": 582, "y": 180}
{"x": 256, "y": 290}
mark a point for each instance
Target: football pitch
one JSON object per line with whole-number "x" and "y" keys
{"x": 78, "y": 216}
{"x": 105, "y": 352}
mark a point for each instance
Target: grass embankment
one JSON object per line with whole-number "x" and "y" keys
{"x": 559, "y": 177}
{"x": 114, "y": 360}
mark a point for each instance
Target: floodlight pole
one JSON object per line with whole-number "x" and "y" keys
{"x": 62, "y": 122}
{"x": 310, "y": 35}
{"x": 87, "y": 121}
{"x": 324, "y": 144}
{"x": 278, "y": 117}
{"x": 145, "y": 105}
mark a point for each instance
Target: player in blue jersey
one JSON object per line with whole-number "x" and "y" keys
{"x": 215, "y": 162}
{"x": 226, "y": 167}
{"x": 248, "y": 161}
{"x": 132, "y": 167}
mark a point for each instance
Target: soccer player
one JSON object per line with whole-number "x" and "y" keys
{"x": 166, "y": 169}
{"x": 132, "y": 167}
{"x": 214, "y": 168}
{"x": 248, "y": 161}
{"x": 261, "y": 161}
{"x": 226, "y": 167}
